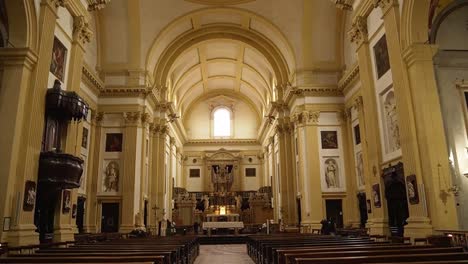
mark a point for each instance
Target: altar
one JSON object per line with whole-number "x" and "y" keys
{"x": 235, "y": 225}
{"x": 222, "y": 218}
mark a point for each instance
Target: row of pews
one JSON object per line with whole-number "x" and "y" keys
{"x": 160, "y": 250}
{"x": 322, "y": 249}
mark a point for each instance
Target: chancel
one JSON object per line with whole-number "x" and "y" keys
{"x": 233, "y": 131}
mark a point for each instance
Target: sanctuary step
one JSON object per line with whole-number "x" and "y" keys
{"x": 222, "y": 239}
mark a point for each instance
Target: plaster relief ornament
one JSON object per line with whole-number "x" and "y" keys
{"x": 360, "y": 169}
{"x": 393, "y": 129}
{"x": 331, "y": 173}
{"x": 111, "y": 180}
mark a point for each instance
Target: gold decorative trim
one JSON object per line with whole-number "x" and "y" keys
{"x": 197, "y": 142}
{"x": 220, "y": 2}
{"x": 349, "y": 78}
{"x": 315, "y": 91}
{"x": 93, "y": 81}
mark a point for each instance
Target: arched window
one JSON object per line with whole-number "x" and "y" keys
{"x": 222, "y": 123}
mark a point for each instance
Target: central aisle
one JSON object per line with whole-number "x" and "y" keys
{"x": 220, "y": 254}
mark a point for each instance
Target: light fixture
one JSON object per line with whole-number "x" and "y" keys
{"x": 222, "y": 210}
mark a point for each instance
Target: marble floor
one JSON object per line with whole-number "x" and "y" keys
{"x": 221, "y": 254}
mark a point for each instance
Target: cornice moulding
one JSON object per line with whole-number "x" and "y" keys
{"x": 198, "y": 142}
{"x": 349, "y": 78}
{"x": 91, "y": 79}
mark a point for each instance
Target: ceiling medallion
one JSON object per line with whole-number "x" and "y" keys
{"x": 220, "y": 2}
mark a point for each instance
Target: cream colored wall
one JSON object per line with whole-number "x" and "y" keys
{"x": 349, "y": 48}
{"x": 64, "y": 32}
{"x": 198, "y": 121}
{"x": 91, "y": 55}
{"x": 455, "y": 124}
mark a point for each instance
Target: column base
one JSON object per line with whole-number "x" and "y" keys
{"x": 308, "y": 225}
{"x": 378, "y": 226}
{"x": 126, "y": 228}
{"x": 90, "y": 229}
{"x": 24, "y": 235}
{"x": 418, "y": 227}
{"x": 64, "y": 234}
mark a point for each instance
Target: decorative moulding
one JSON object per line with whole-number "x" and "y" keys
{"x": 219, "y": 2}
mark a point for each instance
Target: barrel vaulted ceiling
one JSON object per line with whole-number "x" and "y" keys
{"x": 195, "y": 50}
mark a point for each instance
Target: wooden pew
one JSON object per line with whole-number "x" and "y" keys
{"x": 397, "y": 258}
{"x": 85, "y": 259}
{"x": 290, "y": 257}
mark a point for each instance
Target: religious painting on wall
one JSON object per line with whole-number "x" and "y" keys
{"x": 59, "y": 59}
{"x": 111, "y": 176}
{"x": 360, "y": 169}
{"x": 391, "y": 121}
{"x": 194, "y": 173}
{"x": 331, "y": 173}
{"x": 376, "y": 195}
{"x": 329, "y": 139}
{"x": 66, "y": 201}
{"x": 114, "y": 142}
{"x": 382, "y": 61}
{"x": 412, "y": 189}
{"x": 250, "y": 172}
{"x": 29, "y": 196}
{"x": 84, "y": 139}
{"x": 357, "y": 135}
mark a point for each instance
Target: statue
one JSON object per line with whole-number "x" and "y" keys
{"x": 111, "y": 182}
{"x": 331, "y": 173}
{"x": 238, "y": 202}
{"x": 206, "y": 202}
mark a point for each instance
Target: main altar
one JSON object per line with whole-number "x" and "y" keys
{"x": 222, "y": 206}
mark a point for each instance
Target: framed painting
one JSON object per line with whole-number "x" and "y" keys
{"x": 84, "y": 139}
{"x": 357, "y": 135}
{"x": 412, "y": 189}
{"x": 194, "y": 173}
{"x": 59, "y": 59}
{"x": 29, "y": 196}
{"x": 369, "y": 206}
{"x": 114, "y": 142}
{"x": 382, "y": 61}
{"x": 329, "y": 139}
{"x": 66, "y": 201}
{"x": 376, "y": 195}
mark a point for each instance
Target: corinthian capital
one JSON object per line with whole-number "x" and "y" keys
{"x": 344, "y": 4}
{"x": 81, "y": 31}
{"x": 96, "y": 5}
{"x": 56, "y": 3}
{"x": 385, "y": 4}
{"x": 132, "y": 117}
{"x": 358, "y": 32}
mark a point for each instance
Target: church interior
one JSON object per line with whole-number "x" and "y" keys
{"x": 256, "y": 120}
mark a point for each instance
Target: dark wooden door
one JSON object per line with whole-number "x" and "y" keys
{"x": 80, "y": 211}
{"x": 335, "y": 211}
{"x": 110, "y": 217}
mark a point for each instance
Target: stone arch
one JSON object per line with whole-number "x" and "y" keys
{"x": 22, "y": 23}
{"x": 160, "y": 59}
{"x": 414, "y": 22}
{"x": 447, "y": 11}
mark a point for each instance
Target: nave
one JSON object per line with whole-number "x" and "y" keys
{"x": 235, "y": 254}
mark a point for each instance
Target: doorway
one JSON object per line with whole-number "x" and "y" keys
{"x": 335, "y": 211}
{"x": 299, "y": 212}
{"x": 145, "y": 215}
{"x": 110, "y": 217}
{"x": 362, "y": 204}
{"x": 80, "y": 211}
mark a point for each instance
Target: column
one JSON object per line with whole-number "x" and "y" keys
{"x": 372, "y": 156}
{"x": 65, "y": 225}
{"x": 17, "y": 65}
{"x": 154, "y": 208}
{"x": 421, "y": 128}
{"x": 29, "y": 125}
{"x": 91, "y": 215}
{"x": 350, "y": 203}
{"x": 287, "y": 186}
{"x": 130, "y": 190}
{"x": 309, "y": 175}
